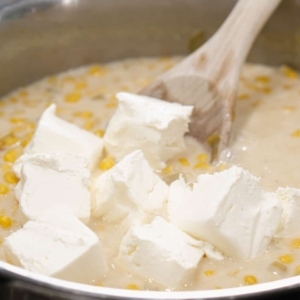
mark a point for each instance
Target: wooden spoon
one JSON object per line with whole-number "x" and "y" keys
{"x": 208, "y": 78}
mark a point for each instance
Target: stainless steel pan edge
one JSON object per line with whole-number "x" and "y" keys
{"x": 42, "y": 37}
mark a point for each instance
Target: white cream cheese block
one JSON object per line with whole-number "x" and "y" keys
{"x": 156, "y": 127}
{"x": 229, "y": 209}
{"x": 57, "y": 245}
{"x": 162, "y": 252}
{"x": 290, "y": 221}
{"x": 54, "y": 135}
{"x": 58, "y": 181}
{"x": 128, "y": 188}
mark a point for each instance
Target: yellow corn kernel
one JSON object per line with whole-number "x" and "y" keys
{"x": 52, "y": 80}
{"x": 23, "y": 93}
{"x": 297, "y": 270}
{"x": 295, "y": 244}
{"x": 202, "y": 165}
{"x": 132, "y": 286}
{"x": 5, "y": 222}
{"x": 97, "y": 71}
{"x": 262, "y": 79}
{"x": 13, "y": 100}
{"x": 289, "y": 72}
{"x": 3, "y": 189}
{"x": 99, "y": 132}
{"x": 203, "y": 157}
{"x": 213, "y": 140}
{"x": 6, "y": 167}
{"x": 106, "y": 163}
{"x": 27, "y": 139}
{"x": 167, "y": 170}
{"x": 10, "y": 178}
{"x": 72, "y": 97}
{"x": 250, "y": 280}
{"x": 209, "y": 272}
{"x": 10, "y": 139}
{"x": 296, "y": 133}
{"x": 17, "y": 120}
{"x": 286, "y": 259}
{"x": 266, "y": 90}
{"x": 184, "y": 162}
{"x": 12, "y": 155}
{"x": 80, "y": 85}
{"x": 289, "y": 108}
{"x": 88, "y": 125}
{"x": 83, "y": 114}
{"x": 243, "y": 97}
{"x": 69, "y": 79}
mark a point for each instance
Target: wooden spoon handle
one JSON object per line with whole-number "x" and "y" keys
{"x": 232, "y": 42}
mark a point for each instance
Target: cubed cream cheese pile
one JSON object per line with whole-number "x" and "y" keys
{"x": 226, "y": 212}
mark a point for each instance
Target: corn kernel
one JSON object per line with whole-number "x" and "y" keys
{"x": 243, "y": 97}
{"x": 297, "y": 270}
{"x": 296, "y": 133}
{"x": 250, "y": 280}
{"x": 110, "y": 105}
{"x": 167, "y": 170}
{"x": 97, "y": 71}
{"x": 209, "y": 272}
{"x": 11, "y": 178}
{"x": 13, "y": 100}
{"x": 83, "y": 114}
{"x": 202, "y": 165}
{"x": 99, "y": 132}
{"x": 266, "y": 90}
{"x": 10, "y": 139}
{"x": 107, "y": 163}
{"x": 262, "y": 79}
{"x": 184, "y": 162}
{"x": 295, "y": 244}
{"x": 289, "y": 72}
{"x": 213, "y": 140}
{"x": 69, "y": 79}
{"x": 12, "y": 155}
{"x": 5, "y": 222}
{"x": 88, "y": 125}
{"x": 132, "y": 286}
{"x": 23, "y": 93}
{"x": 202, "y": 157}
{"x": 52, "y": 80}
{"x": 17, "y": 120}
{"x": 286, "y": 259}
{"x": 3, "y": 189}
{"x": 80, "y": 85}
{"x": 72, "y": 97}
{"x": 27, "y": 139}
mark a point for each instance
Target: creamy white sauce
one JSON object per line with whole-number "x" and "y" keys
{"x": 264, "y": 141}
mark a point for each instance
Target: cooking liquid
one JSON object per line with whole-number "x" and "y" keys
{"x": 265, "y": 140}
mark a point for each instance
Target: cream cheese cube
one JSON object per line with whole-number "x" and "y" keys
{"x": 290, "y": 221}
{"x": 55, "y": 135}
{"x": 57, "y": 245}
{"x": 229, "y": 209}
{"x": 129, "y": 188}
{"x": 156, "y": 127}
{"x": 58, "y": 181}
{"x": 162, "y": 252}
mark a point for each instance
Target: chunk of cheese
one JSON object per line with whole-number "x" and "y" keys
{"x": 290, "y": 221}
{"x": 156, "y": 127}
{"x": 162, "y": 252}
{"x": 54, "y": 135}
{"x": 57, "y": 245}
{"x": 129, "y": 187}
{"x": 58, "y": 181}
{"x": 228, "y": 209}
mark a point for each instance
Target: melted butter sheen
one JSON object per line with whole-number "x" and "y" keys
{"x": 265, "y": 140}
